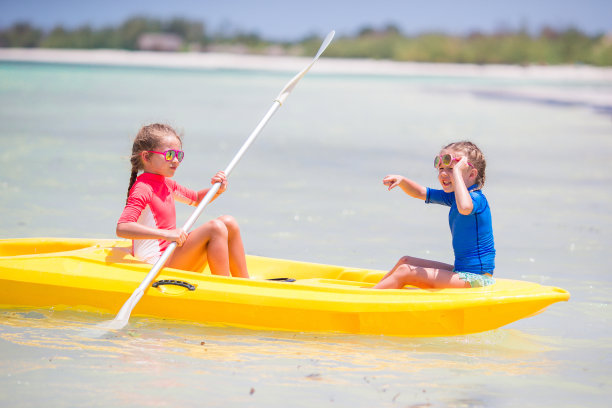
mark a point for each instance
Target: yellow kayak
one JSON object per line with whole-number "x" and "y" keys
{"x": 100, "y": 275}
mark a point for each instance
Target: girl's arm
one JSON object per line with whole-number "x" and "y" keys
{"x": 217, "y": 178}
{"x": 133, "y": 230}
{"x": 409, "y": 187}
{"x": 465, "y": 205}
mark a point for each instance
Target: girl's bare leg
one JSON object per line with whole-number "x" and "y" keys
{"x": 422, "y": 273}
{"x": 237, "y": 259}
{"x": 207, "y": 243}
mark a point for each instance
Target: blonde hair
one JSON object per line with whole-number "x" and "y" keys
{"x": 149, "y": 137}
{"x": 474, "y": 156}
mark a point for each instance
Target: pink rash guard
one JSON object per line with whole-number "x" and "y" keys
{"x": 151, "y": 203}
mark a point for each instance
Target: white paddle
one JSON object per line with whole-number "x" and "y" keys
{"x": 124, "y": 314}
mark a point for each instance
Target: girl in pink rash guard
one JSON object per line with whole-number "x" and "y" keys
{"x": 149, "y": 217}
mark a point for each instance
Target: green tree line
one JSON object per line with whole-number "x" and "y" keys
{"x": 549, "y": 46}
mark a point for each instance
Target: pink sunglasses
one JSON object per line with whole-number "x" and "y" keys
{"x": 446, "y": 160}
{"x": 170, "y": 154}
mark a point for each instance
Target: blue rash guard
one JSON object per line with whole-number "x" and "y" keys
{"x": 472, "y": 234}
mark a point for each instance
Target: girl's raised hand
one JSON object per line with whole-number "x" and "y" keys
{"x": 461, "y": 164}
{"x": 392, "y": 181}
{"x": 220, "y": 178}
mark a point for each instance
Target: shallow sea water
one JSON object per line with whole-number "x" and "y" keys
{"x": 310, "y": 189}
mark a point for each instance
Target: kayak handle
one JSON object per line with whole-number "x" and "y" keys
{"x": 173, "y": 282}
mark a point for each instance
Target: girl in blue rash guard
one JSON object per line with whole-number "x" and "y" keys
{"x": 461, "y": 172}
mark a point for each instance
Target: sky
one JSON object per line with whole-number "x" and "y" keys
{"x": 288, "y": 20}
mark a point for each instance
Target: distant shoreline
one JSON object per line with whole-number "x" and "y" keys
{"x": 295, "y": 64}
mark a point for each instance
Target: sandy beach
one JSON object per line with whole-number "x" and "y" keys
{"x": 597, "y": 94}
{"x": 288, "y": 63}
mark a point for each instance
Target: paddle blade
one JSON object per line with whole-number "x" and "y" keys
{"x": 123, "y": 317}
{"x": 289, "y": 87}
{"x": 325, "y": 43}
{"x": 114, "y": 324}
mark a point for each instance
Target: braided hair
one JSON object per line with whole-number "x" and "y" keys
{"x": 474, "y": 156}
{"x": 148, "y": 138}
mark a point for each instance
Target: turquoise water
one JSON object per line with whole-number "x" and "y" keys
{"x": 310, "y": 189}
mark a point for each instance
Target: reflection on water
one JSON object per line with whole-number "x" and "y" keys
{"x": 241, "y": 365}
{"x": 66, "y": 330}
